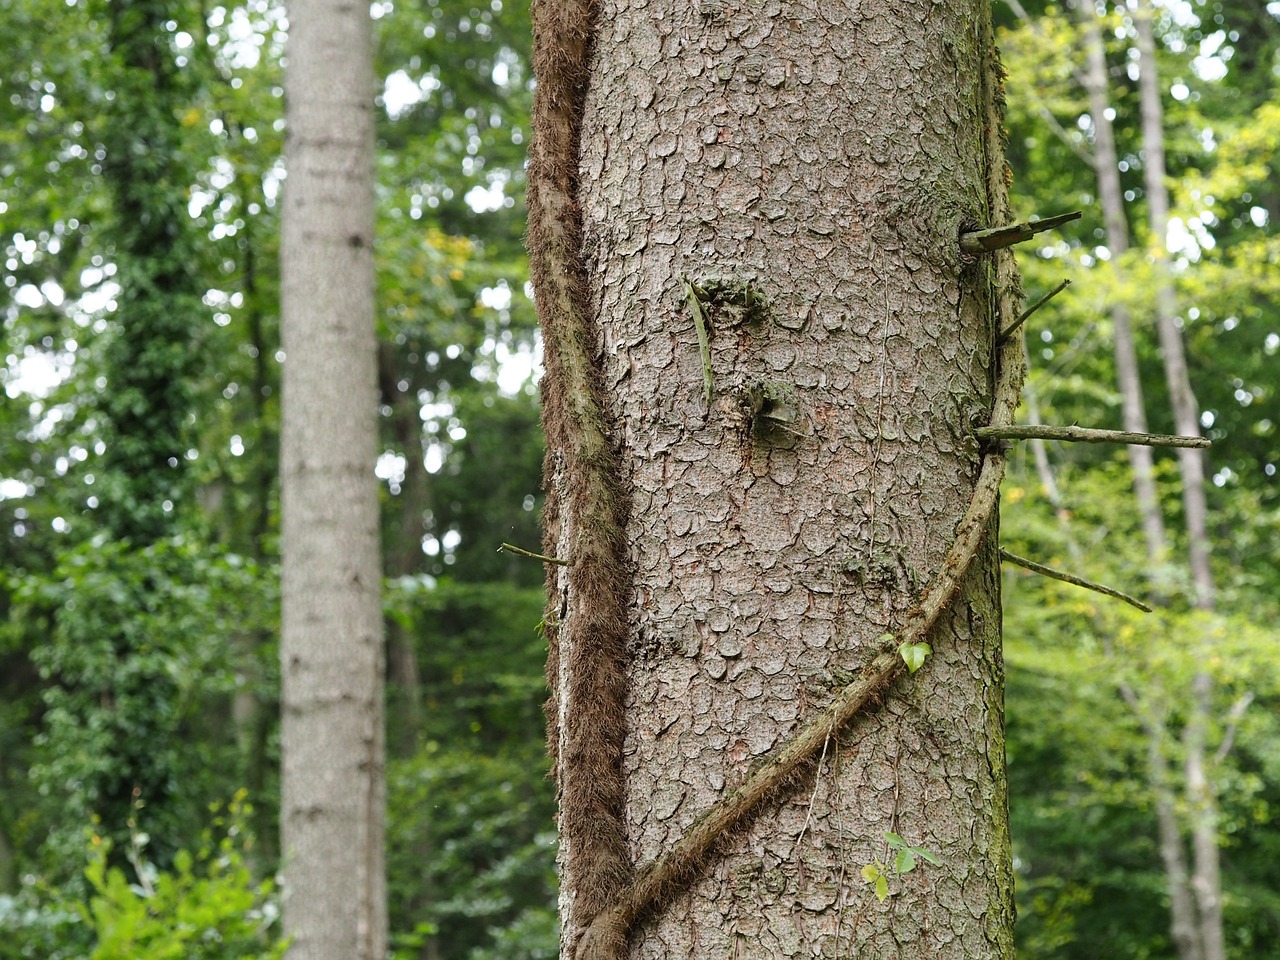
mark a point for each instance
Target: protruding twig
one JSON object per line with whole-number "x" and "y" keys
{"x": 512, "y": 548}
{"x": 985, "y": 241}
{"x": 1010, "y": 330}
{"x": 1035, "y": 431}
{"x": 1075, "y": 581}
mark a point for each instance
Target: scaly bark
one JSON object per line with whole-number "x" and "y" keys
{"x": 792, "y": 158}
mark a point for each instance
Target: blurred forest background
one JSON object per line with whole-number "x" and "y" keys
{"x": 129, "y": 631}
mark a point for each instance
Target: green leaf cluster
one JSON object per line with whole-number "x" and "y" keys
{"x": 208, "y": 906}
{"x": 902, "y": 859}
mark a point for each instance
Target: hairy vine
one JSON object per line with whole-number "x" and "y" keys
{"x": 585, "y": 516}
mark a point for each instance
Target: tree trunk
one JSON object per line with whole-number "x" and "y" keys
{"x": 1107, "y": 169}
{"x": 1183, "y": 920}
{"x": 145, "y": 411}
{"x": 1203, "y": 803}
{"x": 332, "y": 786}
{"x": 1186, "y": 414}
{"x": 746, "y": 520}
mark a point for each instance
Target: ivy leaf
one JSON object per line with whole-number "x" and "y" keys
{"x": 913, "y": 655}
{"x": 873, "y": 873}
{"x": 926, "y": 855}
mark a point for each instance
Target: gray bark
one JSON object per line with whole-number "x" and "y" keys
{"x": 828, "y": 160}
{"x": 1184, "y": 927}
{"x": 331, "y": 646}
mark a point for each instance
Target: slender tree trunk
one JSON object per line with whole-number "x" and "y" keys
{"x": 1106, "y": 167}
{"x": 1203, "y": 802}
{"x": 765, "y": 354}
{"x": 332, "y": 804}
{"x": 146, "y": 413}
{"x": 1185, "y": 927}
{"x": 1186, "y": 413}
{"x": 1182, "y": 909}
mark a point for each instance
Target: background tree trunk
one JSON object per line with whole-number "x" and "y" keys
{"x": 1183, "y": 920}
{"x": 332, "y": 803}
{"x": 780, "y": 512}
{"x": 1128, "y": 378}
{"x": 1203, "y": 802}
{"x": 1186, "y": 415}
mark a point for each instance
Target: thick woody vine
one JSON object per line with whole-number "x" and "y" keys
{"x": 585, "y": 511}
{"x": 585, "y": 515}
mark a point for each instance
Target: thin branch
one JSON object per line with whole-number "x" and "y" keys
{"x": 1071, "y": 579}
{"x": 1022, "y": 318}
{"x": 512, "y": 548}
{"x": 1045, "y": 113}
{"x": 1020, "y": 12}
{"x": 1032, "y": 431}
{"x": 995, "y": 238}
{"x": 1233, "y": 723}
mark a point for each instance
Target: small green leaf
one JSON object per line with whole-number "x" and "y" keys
{"x": 913, "y": 655}
{"x": 895, "y": 841}
{"x": 871, "y": 872}
{"x": 926, "y": 855}
{"x": 882, "y": 887}
{"x": 904, "y": 862}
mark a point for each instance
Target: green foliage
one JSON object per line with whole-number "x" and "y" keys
{"x": 207, "y": 907}
{"x": 902, "y": 859}
{"x": 914, "y": 654}
{"x": 133, "y": 661}
{"x": 471, "y": 847}
{"x": 137, "y": 653}
{"x": 1089, "y": 875}
{"x": 471, "y": 832}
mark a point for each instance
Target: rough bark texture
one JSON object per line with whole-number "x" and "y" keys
{"x": 331, "y": 647}
{"x": 809, "y": 169}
